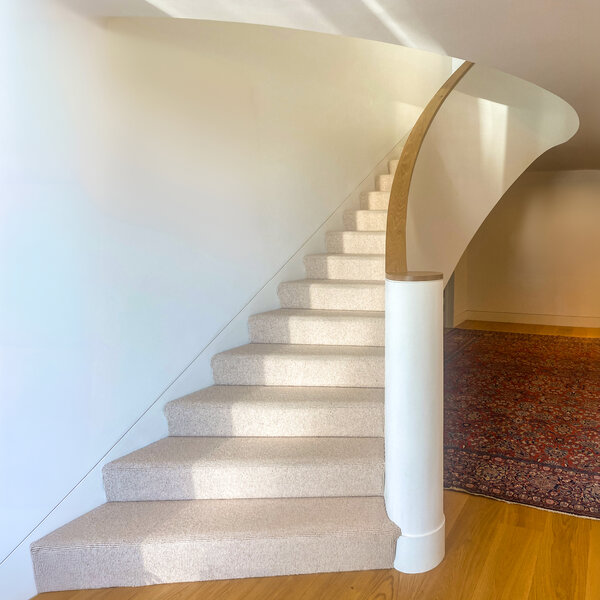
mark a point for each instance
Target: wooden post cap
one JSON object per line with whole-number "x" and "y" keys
{"x": 415, "y": 276}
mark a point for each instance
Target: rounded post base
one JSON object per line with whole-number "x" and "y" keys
{"x": 417, "y": 554}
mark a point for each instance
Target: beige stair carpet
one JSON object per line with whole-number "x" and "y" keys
{"x": 333, "y": 294}
{"x": 197, "y": 468}
{"x": 265, "y": 411}
{"x": 307, "y": 364}
{"x": 365, "y": 267}
{"x": 365, "y": 220}
{"x": 278, "y": 468}
{"x": 143, "y": 543}
{"x": 375, "y": 201}
{"x": 322, "y": 327}
{"x": 356, "y": 242}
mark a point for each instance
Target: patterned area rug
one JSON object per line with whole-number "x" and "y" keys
{"x": 522, "y": 419}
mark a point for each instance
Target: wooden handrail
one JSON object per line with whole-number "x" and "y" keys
{"x": 395, "y": 243}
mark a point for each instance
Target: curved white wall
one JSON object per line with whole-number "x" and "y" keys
{"x": 489, "y": 130}
{"x": 554, "y": 45}
{"x": 536, "y": 257}
{"x": 155, "y": 174}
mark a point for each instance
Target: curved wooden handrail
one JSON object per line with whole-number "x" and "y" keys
{"x": 395, "y": 242}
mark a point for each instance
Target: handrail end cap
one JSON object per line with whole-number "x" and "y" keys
{"x": 415, "y": 276}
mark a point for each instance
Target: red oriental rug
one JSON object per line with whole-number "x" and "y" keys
{"x": 522, "y": 419}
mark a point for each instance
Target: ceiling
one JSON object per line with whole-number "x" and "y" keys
{"x": 552, "y": 43}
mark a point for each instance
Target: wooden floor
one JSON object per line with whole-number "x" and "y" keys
{"x": 589, "y": 332}
{"x": 494, "y": 551}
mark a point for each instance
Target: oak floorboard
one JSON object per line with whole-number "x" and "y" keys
{"x": 456, "y": 576}
{"x": 593, "y": 570}
{"x": 454, "y": 502}
{"x": 511, "y": 557}
{"x": 588, "y": 332}
{"x": 562, "y": 561}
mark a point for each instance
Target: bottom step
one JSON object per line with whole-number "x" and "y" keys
{"x": 143, "y": 543}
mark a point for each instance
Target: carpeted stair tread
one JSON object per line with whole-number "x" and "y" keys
{"x": 365, "y": 220}
{"x": 300, "y": 364}
{"x": 332, "y": 294}
{"x": 240, "y": 410}
{"x": 189, "y": 468}
{"x": 364, "y": 267}
{"x": 356, "y": 242}
{"x": 329, "y": 327}
{"x": 142, "y": 543}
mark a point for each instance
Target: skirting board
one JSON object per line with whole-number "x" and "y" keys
{"x": 527, "y": 318}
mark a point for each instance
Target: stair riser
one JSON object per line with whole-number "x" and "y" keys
{"x": 328, "y": 298}
{"x": 353, "y": 242}
{"x": 370, "y": 268}
{"x": 365, "y": 220}
{"x": 147, "y": 564}
{"x": 230, "y": 481}
{"x": 277, "y": 330}
{"x": 248, "y": 420}
{"x": 384, "y": 182}
{"x": 310, "y": 371}
{"x": 392, "y": 166}
{"x": 375, "y": 201}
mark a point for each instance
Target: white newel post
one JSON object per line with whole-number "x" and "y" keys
{"x": 414, "y": 418}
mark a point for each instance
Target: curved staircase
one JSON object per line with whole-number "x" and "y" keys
{"x": 277, "y": 468}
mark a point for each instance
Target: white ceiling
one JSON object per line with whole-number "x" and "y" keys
{"x": 553, "y": 43}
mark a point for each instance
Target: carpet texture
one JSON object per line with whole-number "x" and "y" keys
{"x": 522, "y": 419}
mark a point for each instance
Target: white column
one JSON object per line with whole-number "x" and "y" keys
{"x": 414, "y": 418}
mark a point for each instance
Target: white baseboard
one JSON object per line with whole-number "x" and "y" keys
{"x": 527, "y": 318}
{"x": 460, "y": 317}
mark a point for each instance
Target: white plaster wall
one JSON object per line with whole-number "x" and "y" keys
{"x": 155, "y": 175}
{"x": 536, "y": 258}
